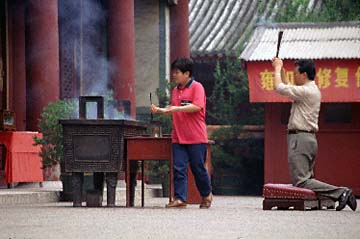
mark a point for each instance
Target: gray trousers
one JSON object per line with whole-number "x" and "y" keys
{"x": 302, "y": 149}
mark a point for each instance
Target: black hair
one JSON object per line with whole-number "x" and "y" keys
{"x": 308, "y": 66}
{"x": 183, "y": 64}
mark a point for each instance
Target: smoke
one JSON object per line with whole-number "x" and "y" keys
{"x": 83, "y": 29}
{"x": 94, "y": 64}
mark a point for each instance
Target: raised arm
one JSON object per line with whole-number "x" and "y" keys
{"x": 283, "y": 76}
{"x": 279, "y": 72}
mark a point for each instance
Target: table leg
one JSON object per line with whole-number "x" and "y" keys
{"x": 128, "y": 168}
{"x": 142, "y": 183}
{"x": 171, "y": 179}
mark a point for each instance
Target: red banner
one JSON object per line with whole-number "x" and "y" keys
{"x": 338, "y": 80}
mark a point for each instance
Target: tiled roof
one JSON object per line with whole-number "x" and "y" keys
{"x": 219, "y": 27}
{"x": 305, "y": 40}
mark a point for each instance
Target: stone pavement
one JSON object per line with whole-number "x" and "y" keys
{"x": 229, "y": 217}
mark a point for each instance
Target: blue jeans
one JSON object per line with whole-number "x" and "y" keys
{"x": 195, "y": 154}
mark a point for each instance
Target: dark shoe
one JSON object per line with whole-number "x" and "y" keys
{"x": 176, "y": 204}
{"x": 206, "y": 201}
{"x": 351, "y": 202}
{"x": 343, "y": 199}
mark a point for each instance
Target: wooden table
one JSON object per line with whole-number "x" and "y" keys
{"x": 159, "y": 148}
{"x": 147, "y": 148}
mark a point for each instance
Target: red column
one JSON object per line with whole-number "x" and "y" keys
{"x": 179, "y": 30}
{"x": 122, "y": 50}
{"x": 17, "y": 75}
{"x": 42, "y": 58}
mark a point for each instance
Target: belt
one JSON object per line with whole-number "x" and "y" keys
{"x": 296, "y": 131}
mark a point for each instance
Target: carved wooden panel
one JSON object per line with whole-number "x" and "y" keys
{"x": 69, "y": 37}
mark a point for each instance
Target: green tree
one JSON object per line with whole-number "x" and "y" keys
{"x": 340, "y": 10}
{"x": 294, "y": 11}
{"x": 228, "y": 103}
{"x": 52, "y": 150}
{"x": 330, "y": 11}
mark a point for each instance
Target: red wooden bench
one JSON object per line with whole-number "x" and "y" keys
{"x": 286, "y": 196}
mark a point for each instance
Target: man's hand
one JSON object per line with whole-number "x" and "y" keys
{"x": 155, "y": 109}
{"x": 277, "y": 63}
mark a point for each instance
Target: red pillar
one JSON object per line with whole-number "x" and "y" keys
{"x": 122, "y": 50}
{"x": 42, "y": 58}
{"x": 17, "y": 75}
{"x": 179, "y": 30}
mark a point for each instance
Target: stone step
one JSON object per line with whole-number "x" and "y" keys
{"x": 33, "y": 193}
{"x": 27, "y": 197}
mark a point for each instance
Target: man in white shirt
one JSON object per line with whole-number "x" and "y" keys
{"x": 302, "y": 126}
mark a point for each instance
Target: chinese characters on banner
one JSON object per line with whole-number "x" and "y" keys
{"x": 338, "y": 80}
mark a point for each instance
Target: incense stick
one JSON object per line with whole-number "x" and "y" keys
{"x": 151, "y": 114}
{"x": 278, "y": 42}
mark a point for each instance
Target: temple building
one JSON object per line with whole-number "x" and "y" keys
{"x": 62, "y": 49}
{"x": 59, "y": 49}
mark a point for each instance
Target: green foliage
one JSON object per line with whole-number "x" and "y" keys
{"x": 229, "y": 102}
{"x": 294, "y": 11}
{"x": 52, "y": 151}
{"x": 158, "y": 169}
{"x": 226, "y": 93}
{"x": 340, "y": 10}
{"x": 330, "y": 11}
{"x": 236, "y": 153}
{"x": 237, "y": 161}
{"x": 261, "y": 7}
{"x": 225, "y": 132}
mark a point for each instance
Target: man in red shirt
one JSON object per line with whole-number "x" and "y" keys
{"x": 189, "y": 137}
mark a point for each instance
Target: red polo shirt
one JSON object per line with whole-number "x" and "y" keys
{"x": 189, "y": 128}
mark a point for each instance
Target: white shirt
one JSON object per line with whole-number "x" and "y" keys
{"x": 305, "y": 109}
